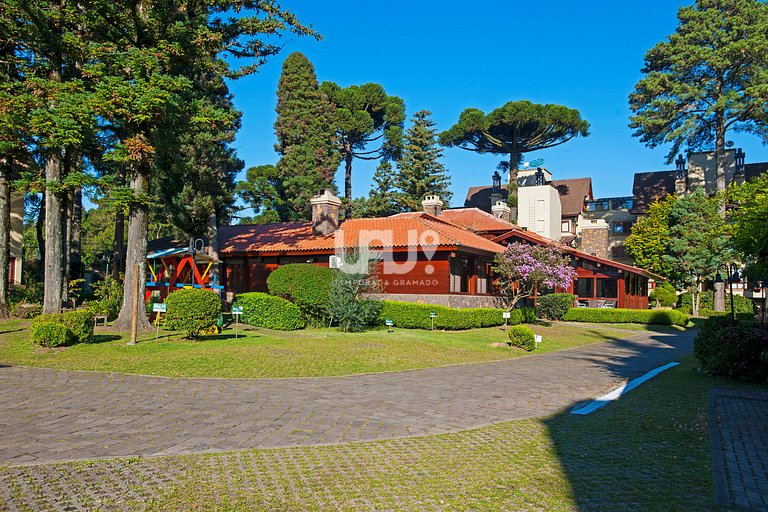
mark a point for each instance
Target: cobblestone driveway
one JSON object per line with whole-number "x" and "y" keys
{"x": 52, "y": 415}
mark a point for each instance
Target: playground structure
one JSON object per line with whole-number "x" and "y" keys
{"x": 177, "y": 268}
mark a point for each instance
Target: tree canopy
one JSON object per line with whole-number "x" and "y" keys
{"x": 709, "y": 77}
{"x": 369, "y": 126}
{"x": 749, "y": 233}
{"x": 649, "y": 240}
{"x": 516, "y": 128}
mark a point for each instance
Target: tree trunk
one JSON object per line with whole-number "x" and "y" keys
{"x": 40, "y": 232}
{"x": 719, "y": 298}
{"x": 67, "y": 222}
{"x": 118, "y": 255}
{"x": 5, "y": 234}
{"x": 348, "y": 180}
{"x": 136, "y": 259}
{"x": 213, "y": 250}
{"x": 514, "y": 158}
{"x": 75, "y": 257}
{"x": 54, "y": 237}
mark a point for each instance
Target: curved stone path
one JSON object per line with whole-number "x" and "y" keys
{"x": 54, "y": 415}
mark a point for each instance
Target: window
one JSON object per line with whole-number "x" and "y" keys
{"x": 622, "y": 228}
{"x": 599, "y": 205}
{"x": 607, "y": 288}
{"x": 619, "y": 252}
{"x": 623, "y": 203}
{"x": 585, "y": 287}
{"x": 565, "y": 226}
{"x": 464, "y": 269}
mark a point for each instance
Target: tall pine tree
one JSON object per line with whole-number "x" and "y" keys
{"x": 420, "y": 170}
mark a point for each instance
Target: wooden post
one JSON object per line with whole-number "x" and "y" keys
{"x": 135, "y": 316}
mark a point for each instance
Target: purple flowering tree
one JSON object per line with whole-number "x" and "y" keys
{"x": 524, "y": 268}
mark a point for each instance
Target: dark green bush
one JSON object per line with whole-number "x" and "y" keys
{"x": 79, "y": 323}
{"x": 634, "y": 316}
{"x": 192, "y": 310}
{"x": 706, "y": 305}
{"x": 51, "y": 334}
{"x": 734, "y": 350}
{"x": 264, "y": 310}
{"x": 664, "y": 294}
{"x": 349, "y": 305}
{"x": 307, "y": 286}
{"x": 522, "y": 336}
{"x": 528, "y": 315}
{"x": 409, "y": 315}
{"x": 554, "y": 306}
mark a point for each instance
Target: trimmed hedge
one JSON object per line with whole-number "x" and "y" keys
{"x": 264, "y": 310}
{"x": 733, "y": 350}
{"x": 633, "y": 316}
{"x": 528, "y": 315}
{"x": 192, "y": 310}
{"x": 522, "y": 336}
{"x": 79, "y": 323}
{"x": 555, "y": 305}
{"x": 307, "y": 286}
{"x": 409, "y": 315}
{"x": 51, "y": 334}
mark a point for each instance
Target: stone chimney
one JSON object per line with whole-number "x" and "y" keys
{"x": 594, "y": 238}
{"x": 325, "y": 213}
{"x": 501, "y": 210}
{"x": 432, "y": 205}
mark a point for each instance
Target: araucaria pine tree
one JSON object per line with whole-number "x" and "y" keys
{"x": 306, "y": 140}
{"x": 420, "y": 170}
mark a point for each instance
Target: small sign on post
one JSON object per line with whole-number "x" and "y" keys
{"x": 432, "y": 316}
{"x": 537, "y": 340}
{"x": 157, "y": 308}
{"x": 390, "y": 325}
{"x": 236, "y": 312}
{"x": 506, "y": 315}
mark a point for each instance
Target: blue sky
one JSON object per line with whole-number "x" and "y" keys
{"x": 445, "y": 56}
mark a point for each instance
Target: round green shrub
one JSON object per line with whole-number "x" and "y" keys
{"x": 554, "y": 306}
{"x": 270, "y": 312}
{"x": 522, "y": 336}
{"x": 192, "y": 310}
{"x": 664, "y": 294}
{"x": 308, "y": 286}
{"x": 734, "y": 350}
{"x": 80, "y": 323}
{"x": 51, "y": 334}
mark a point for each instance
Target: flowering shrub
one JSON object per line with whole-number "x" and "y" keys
{"x": 524, "y": 268}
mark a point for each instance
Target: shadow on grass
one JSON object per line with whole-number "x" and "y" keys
{"x": 13, "y": 330}
{"x": 103, "y": 338}
{"x": 649, "y": 450}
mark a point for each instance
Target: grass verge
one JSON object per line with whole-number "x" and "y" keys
{"x": 307, "y": 353}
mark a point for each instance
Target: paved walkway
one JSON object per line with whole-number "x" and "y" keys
{"x": 52, "y": 415}
{"x": 739, "y": 435}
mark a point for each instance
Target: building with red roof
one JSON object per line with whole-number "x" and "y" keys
{"x": 434, "y": 256}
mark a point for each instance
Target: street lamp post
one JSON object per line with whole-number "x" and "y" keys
{"x": 733, "y": 276}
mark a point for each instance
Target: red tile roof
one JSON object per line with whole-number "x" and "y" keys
{"x": 476, "y": 220}
{"x": 398, "y": 231}
{"x": 538, "y": 239}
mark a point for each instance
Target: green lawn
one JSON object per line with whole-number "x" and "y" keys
{"x": 649, "y": 451}
{"x": 307, "y": 353}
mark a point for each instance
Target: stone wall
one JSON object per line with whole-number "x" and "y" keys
{"x": 453, "y": 301}
{"x": 594, "y": 240}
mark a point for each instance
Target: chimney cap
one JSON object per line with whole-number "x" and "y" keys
{"x": 432, "y": 200}
{"x": 325, "y": 197}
